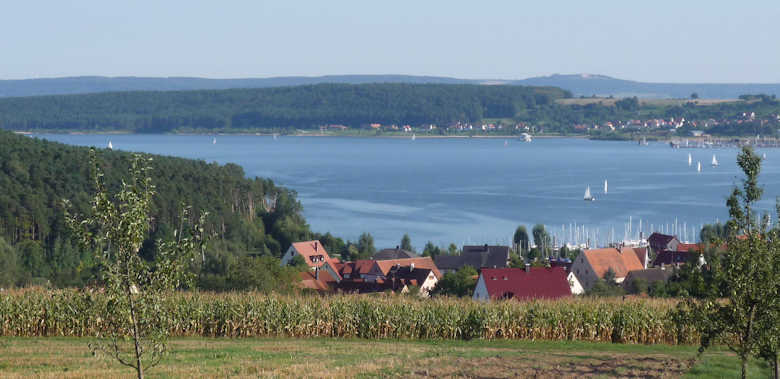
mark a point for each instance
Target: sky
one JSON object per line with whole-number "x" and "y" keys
{"x": 655, "y": 41}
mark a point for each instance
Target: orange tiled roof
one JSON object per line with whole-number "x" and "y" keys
{"x": 312, "y": 251}
{"x": 688, "y": 246}
{"x": 421, "y": 262}
{"x": 362, "y": 266}
{"x": 621, "y": 261}
{"x": 324, "y": 283}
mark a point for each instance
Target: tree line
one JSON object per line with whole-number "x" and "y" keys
{"x": 278, "y": 108}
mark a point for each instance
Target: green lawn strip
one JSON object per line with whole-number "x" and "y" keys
{"x": 288, "y": 356}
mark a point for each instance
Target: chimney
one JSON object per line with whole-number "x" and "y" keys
{"x": 315, "y": 245}
{"x": 527, "y": 267}
{"x": 397, "y": 248}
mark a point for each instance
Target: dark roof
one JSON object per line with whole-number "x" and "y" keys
{"x": 478, "y": 256}
{"x": 396, "y": 253}
{"x": 668, "y": 257}
{"x": 658, "y": 241}
{"x": 537, "y": 282}
{"x": 650, "y": 275}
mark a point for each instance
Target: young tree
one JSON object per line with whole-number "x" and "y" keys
{"x": 135, "y": 289}
{"x": 460, "y": 283}
{"x": 431, "y": 250}
{"x": 520, "y": 239}
{"x": 406, "y": 243}
{"x": 746, "y": 273}
{"x": 542, "y": 240}
{"x": 365, "y": 246}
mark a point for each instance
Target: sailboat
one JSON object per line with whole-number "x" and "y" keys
{"x": 414, "y": 137}
{"x": 714, "y": 161}
{"x": 214, "y": 141}
{"x": 588, "y": 196}
{"x": 763, "y": 156}
{"x": 698, "y": 166}
{"x": 110, "y": 146}
{"x": 690, "y": 159}
{"x": 506, "y": 143}
{"x": 605, "y": 186}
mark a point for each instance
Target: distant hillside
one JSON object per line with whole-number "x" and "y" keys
{"x": 272, "y": 108}
{"x": 96, "y": 84}
{"x": 599, "y": 85}
{"x": 578, "y": 84}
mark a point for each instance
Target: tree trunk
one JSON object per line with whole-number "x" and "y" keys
{"x": 744, "y": 367}
{"x": 777, "y": 366}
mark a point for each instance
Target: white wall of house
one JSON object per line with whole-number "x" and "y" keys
{"x": 428, "y": 285}
{"x": 574, "y": 284}
{"x": 481, "y": 292}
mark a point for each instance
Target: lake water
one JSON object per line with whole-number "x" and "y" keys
{"x": 475, "y": 190}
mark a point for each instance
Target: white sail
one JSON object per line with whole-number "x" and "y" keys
{"x": 414, "y": 137}
{"x": 588, "y": 196}
{"x": 763, "y": 156}
{"x": 605, "y": 185}
{"x": 698, "y": 166}
{"x": 690, "y": 159}
{"x": 214, "y": 141}
{"x": 714, "y": 160}
{"x": 110, "y": 146}
{"x": 506, "y": 143}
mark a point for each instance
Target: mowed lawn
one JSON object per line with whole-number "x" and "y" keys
{"x": 325, "y": 357}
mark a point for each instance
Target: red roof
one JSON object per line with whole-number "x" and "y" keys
{"x": 537, "y": 282}
{"x": 688, "y": 246}
{"x": 309, "y": 279}
{"x": 313, "y": 252}
{"x": 421, "y": 262}
{"x": 621, "y": 261}
{"x": 362, "y": 266}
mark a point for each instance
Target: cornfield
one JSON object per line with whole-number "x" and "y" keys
{"x": 73, "y": 313}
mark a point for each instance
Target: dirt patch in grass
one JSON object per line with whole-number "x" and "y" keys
{"x": 576, "y": 365}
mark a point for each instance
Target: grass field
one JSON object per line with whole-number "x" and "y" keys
{"x": 65, "y": 357}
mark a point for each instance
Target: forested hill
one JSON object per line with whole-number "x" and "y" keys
{"x": 280, "y": 108}
{"x": 247, "y": 216}
{"x": 96, "y": 84}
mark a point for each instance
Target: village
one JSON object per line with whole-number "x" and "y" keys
{"x": 401, "y": 271}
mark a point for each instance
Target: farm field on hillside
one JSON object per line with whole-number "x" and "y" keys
{"x": 323, "y": 357}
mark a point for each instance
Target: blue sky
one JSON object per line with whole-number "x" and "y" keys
{"x": 659, "y": 41}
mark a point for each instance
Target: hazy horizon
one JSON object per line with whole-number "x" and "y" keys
{"x": 662, "y": 42}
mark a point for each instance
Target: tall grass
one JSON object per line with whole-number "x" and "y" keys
{"x": 74, "y": 313}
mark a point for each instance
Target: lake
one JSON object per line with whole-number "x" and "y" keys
{"x": 477, "y": 190}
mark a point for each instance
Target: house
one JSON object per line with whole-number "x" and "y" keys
{"x": 659, "y": 242}
{"x": 592, "y": 264}
{"x": 684, "y": 253}
{"x": 370, "y": 275}
{"x": 396, "y": 253}
{"x": 649, "y": 275}
{"x": 519, "y": 283}
{"x": 313, "y": 253}
{"x": 477, "y": 256}
{"x": 677, "y": 258}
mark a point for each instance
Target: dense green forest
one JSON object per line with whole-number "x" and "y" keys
{"x": 279, "y": 108}
{"x": 249, "y": 218}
